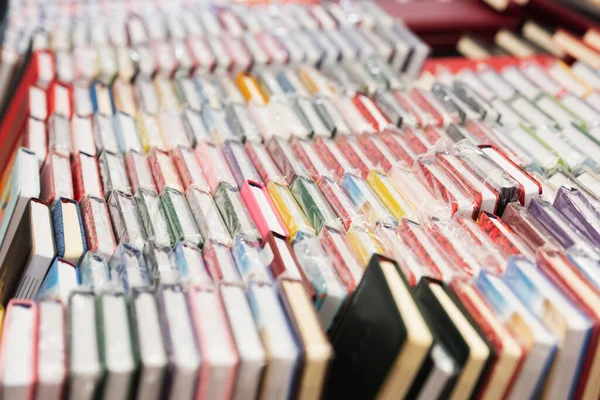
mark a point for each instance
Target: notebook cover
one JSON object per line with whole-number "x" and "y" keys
{"x": 258, "y": 214}
{"x": 367, "y": 337}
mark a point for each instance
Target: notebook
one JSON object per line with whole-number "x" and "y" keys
{"x": 85, "y": 367}
{"x": 538, "y": 342}
{"x": 51, "y": 350}
{"x": 453, "y": 330}
{"x": 379, "y": 353}
{"x": 42, "y": 252}
{"x": 115, "y": 345}
{"x": 18, "y": 353}
{"x": 316, "y": 350}
{"x": 68, "y": 230}
{"x": 571, "y": 326}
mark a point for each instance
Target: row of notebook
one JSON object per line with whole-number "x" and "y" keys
{"x": 118, "y": 39}
{"x": 526, "y": 334}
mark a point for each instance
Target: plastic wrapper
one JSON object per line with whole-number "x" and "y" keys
{"x": 506, "y": 240}
{"x": 217, "y": 125}
{"x": 214, "y": 166}
{"x": 189, "y": 169}
{"x": 332, "y": 156}
{"x": 560, "y": 142}
{"x": 126, "y": 220}
{"x": 261, "y": 117}
{"x": 427, "y": 102}
{"x": 318, "y": 267}
{"x": 149, "y": 131}
{"x": 82, "y": 135}
{"x": 583, "y": 142}
{"x": 397, "y": 249}
{"x": 576, "y": 208}
{"x": 194, "y": 126}
{"x": 138, "y": 170}
{"x": 452, "y": 104}
{"x": 234, "y": 212}
{"x": 305, "y": 152}
{"x": 434, "y": 264}
{"x": 309, "y": 122}
{"x": 202, "y": 55}
{"x": 161, "y": 263}
{"x": 397, "y": 144}
{"x": 228, "y": 89}
{"x": 291, "y": 83}
{"x": 508, "y": 189}
{"x": 165, "y": 56}
{"x": 339, "y": 202}
{"x": 350, "y": 148}
{"x": 530, "y": 187}
{"x": 329, "y": 117}
{"x": 289, "y": 210}
{"x": 353, "y": 117}
{"x": 239, "y": 163}
{"x": 422, "y": 117}
{"x": 285, "y": 159}
{"x": 113, "y": 173}
{"x": 124, "y": 97}
{"x": 98, "y": 229}
{"x": 560, "y": 114}
{"x": 173, "y": 130}
{"x": 179, "y": 217}
{"x": 263, "y": 163}
{"x": 166, "y": 93}
{"x": 526, "y": 227}
{"x": 59, "y": 135}
{"x": 416, "y": 140}
{"x": 207, "y": 216}
{"x": 189, "y": 262}
{"x": 547, "y": 159}
{"x": 314, "y": 81}
{"x": 153, "y": 216}
{"x": 261, "y": 208}
{"x": 347, "y": 266}
{"x": 315, "y": 207}
{"x": 250, "y": 89}
{"x": 563, "y": 230}
{"x": 371, "y": 83}
{"x": 209, "y": 92}
{"x": 268, "y": 84}
{"x": 94, "y": 273}
{"x": 463, "y": 250}
{"x": 128, "y": 268}
{"x": 55, "y": 178}
{"x": 376, "y": 150}
{"x": 389, "y": 105}
{"x": 478, "y": 103}
{"x": 247, "y": 256}
{"x": 287, "y": 119}
{"x": 485, "y": 197}
{"x": 163, "y": 170}
{"x": 385, "y": 190}
{"x": 35, "y": 138}
{"x": 242, "y": 123}
{"x": 371, "y": 112}
{"x": 365, "y": 201}
{"x": 186, "y": 91}
{"x": 220, "y": 263}
{"x": 126, "y": 133}
{"x": 102, "y": 101}
{"x": 364, "y": 243}
{"x": 278, "y": 255}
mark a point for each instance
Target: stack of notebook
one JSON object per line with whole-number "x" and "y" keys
{"x": 250, "y": 202}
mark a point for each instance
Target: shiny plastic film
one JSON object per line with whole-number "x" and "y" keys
{"x": 179, "y": 217}
{"x": 207, "y": 216}
{"x": 126, "y": 219}
{"x": 315, "y": 206}
{"x": 153, "y": 216}
{"x": 234, "y": 212}
{"x": 290, "y": 212}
